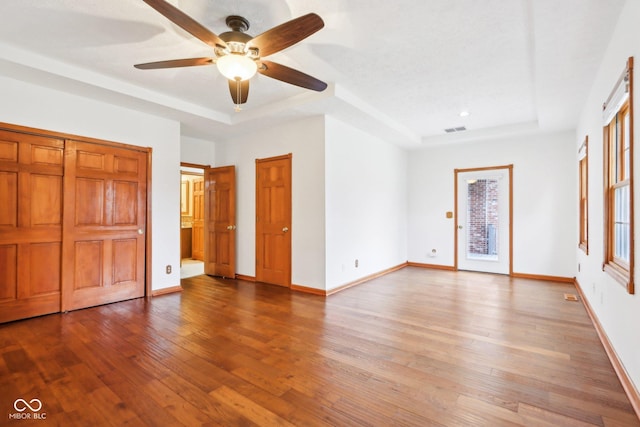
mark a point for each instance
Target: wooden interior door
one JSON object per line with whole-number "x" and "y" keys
{"x": 273, "y": 220}
{"x": 105, "y": 189}
{"x": 197, "y": 228}
{"x": 220, "y": 221}
{"x": 31, "y": 169}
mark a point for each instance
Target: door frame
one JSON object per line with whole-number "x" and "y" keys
{"x": 509, "y": 168}
{"x": 148, "y": 270}
{"x": 192, "y": 174}
{"x": 195, "y": 166}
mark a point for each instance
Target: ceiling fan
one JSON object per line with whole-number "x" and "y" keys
{"x": 239, "y": 56}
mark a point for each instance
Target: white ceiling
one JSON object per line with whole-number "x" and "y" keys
{"x": 403, "y": 70}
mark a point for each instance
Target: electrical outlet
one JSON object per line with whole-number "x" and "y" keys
{"x": 578, "y": 267}
{"x": 356, "y": 263}
{"x": 168, "y": 269}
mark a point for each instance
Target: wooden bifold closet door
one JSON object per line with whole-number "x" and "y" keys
{"x": 104, "y": 225}
{"x": 72, "y": 223}
{"x": 31, "y": 169}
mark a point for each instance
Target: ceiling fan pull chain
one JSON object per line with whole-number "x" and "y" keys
{"x": 238, "y": 95}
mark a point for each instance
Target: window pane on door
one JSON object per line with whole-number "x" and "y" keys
{"x": 482, "y": 219}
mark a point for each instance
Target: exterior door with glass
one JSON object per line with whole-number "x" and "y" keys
{"x": 483, "y": 219}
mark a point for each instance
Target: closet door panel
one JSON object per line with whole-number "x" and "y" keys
{"x": 104, "y": 244}
{"x": 31, "y": 169}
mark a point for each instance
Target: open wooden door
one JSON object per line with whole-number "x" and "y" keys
{"x": 197, "y": 227}
{"x": 220, "y": 221}
{"x": 105, "y": 189}
{"x": 31, "y": 169}
{"x": 273, "y": 220}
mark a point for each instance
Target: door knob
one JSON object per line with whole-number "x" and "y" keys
{"x": 285, "y": 229}
{"x": 231, "y": 227}
{"x": 140, "y": 231}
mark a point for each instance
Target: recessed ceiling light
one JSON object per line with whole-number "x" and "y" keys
{"x": 464, "y": 113}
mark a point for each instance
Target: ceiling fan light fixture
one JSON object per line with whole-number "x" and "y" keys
{"x": 237, "y": 54}
{"x": 234, "y": 66}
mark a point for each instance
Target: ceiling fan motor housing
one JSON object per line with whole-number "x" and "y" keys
{"x": 237, "y": 39}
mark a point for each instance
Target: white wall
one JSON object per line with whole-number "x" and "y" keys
{"x": 305, "y": 140}
{"x": 366, "y": 204}
{"x": 617, "y": 311}
{"x": 197, "y": 151}
{"x": 38, "y": 107}
{"x": 544, "y": 199}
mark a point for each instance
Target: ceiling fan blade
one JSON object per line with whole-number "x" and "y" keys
{"x": 244, "y": 91}
{"x": 287, "y": 34}
{"x": 174, "y": 63}
{"x": 291, "y": 76}
{"x": 185, "y": 22}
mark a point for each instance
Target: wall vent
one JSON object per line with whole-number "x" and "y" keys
{"x": 456, "y": 129}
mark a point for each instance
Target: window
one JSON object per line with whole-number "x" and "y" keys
{"x": 583, "y": 167}
{"x": 482, "y": 218}
{"x": 618, "y": 180}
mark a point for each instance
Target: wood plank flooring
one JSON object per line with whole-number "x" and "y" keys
{"x": 413, "y": 348}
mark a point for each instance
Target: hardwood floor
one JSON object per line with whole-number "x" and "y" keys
{"x": 413, "y": 348}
